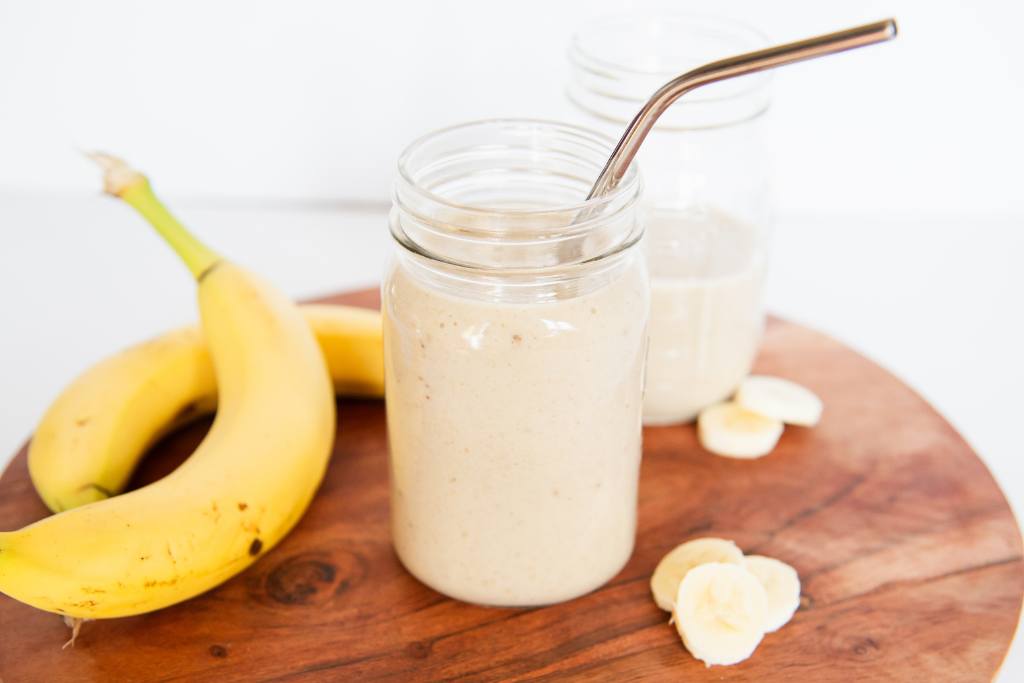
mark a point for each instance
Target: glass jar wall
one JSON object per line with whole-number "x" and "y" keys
{"x": 515, "y": 332}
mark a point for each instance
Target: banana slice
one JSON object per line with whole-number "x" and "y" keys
{"x": 780, "y": 399}
{"x": 674, "y": 566}
{"x": 735, "y": 432}
{"x": 720, "y": 613}
{"x": 781, "y": 586}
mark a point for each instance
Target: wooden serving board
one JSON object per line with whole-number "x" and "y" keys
{"x": 909, "y": 555}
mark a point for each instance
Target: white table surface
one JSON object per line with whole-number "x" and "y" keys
{"x": 936, "y": 301}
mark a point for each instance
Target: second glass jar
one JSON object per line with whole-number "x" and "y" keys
{"x": 514, "y": 339}
{"x": 706, "y": 200}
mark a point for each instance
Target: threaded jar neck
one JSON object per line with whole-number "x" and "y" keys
{"x": 508, "y": 194}
{"x": 617, "y": 62}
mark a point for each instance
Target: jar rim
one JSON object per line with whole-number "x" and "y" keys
{"x": 500, "y": 194}
{"x": 629, "y": 184}
{"x": 707, "y": 19}
{"x": 610, "y": 87}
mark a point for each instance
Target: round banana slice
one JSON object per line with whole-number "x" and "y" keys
{"x": 674, "y": 566}
{"x": 720, "y": 613}
{"x": 781, "y": 587}
{"x": 735, "y": 432}
{"x": 780, "y": 399}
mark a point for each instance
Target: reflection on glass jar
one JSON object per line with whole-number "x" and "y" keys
{"x": 706, "y": 198}
{"x": 515, "y": 331}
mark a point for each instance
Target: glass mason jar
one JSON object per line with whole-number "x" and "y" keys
{"x": 706, "y": 198}
{"x": 515, "y": 318}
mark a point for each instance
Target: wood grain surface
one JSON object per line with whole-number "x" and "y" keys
{"x": 909, "y": 555}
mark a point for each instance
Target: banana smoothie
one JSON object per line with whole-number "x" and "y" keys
{"x": 515, "y": 331}
{"x": 707, "y": 273}
{"x": 515, "y": 437}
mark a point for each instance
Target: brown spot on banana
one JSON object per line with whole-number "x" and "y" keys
{"x": 213, "y": 512}
{"x": 212, "y": 267}
{"x": 187, "y": 413}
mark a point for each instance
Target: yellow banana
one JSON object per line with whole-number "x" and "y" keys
{"x": 242, "y": 490}
{"x": 96, "y": 432}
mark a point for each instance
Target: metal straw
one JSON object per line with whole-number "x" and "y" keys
{"x": 731, "y": 67}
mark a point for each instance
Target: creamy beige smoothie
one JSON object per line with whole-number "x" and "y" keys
{"x": 707, "y": 273}
{"x": 514, "y": 434}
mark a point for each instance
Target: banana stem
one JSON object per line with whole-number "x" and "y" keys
{"x": 131, "y": 186}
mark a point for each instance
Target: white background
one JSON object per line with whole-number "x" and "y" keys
{"x": 305, "y": 99}
{"x": 274, "y": 126}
